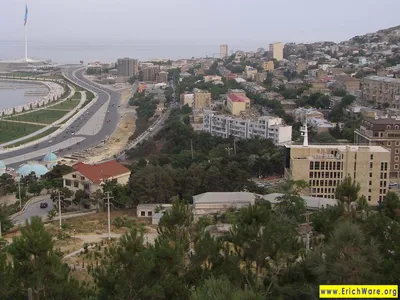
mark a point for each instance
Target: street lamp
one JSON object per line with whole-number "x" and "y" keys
{"x": 19, "y": 190}
{"x": 229, "y": 150}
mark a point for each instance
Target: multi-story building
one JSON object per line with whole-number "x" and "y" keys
{"x": 150, "y": 73}
{"x": 90, "y": 178}
{"x": 301, "y": 114}
{"x": 187, "y": 99}
{"x": 268, "y": 66}
{"x": 265, "y": 127}
{"x": 236, "y": 103}
{"x": 383, "y": 132}
{"x": 381, "y": 90}
{"x": 223, "y": 51}
{"x": 250, "y": 72}
{"x": 127, "y": 67}
{"x": 163, "y": 77}
{"x": 202, "y": 99}
{"x": 325, "y": 167}
{"x": 276, "y": 51}
{"x": 349, "y": 83}
{"x": 301, "y": 66}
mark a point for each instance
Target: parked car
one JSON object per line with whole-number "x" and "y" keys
{"x": 43, "y": 205}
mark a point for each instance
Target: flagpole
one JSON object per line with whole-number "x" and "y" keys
{"x": 26, "y": 42}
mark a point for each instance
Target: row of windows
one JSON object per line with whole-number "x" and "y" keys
{"x": 324, "y": 182}
{"x": 74, "y": 176}
{"x": 76, "y": 184}
{"x": 326, "y": 175}
{"x": 321, "y": 165}
{"x": 323, "y": 190}
{"x": 384, "y": 166}
{"x": 323, "y": 196}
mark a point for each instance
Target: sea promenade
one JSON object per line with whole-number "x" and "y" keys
{"x": 54, "y": 92}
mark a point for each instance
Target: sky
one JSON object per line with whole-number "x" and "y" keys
{"x": 214, "y": 21}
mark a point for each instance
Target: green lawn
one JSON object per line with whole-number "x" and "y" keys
{"x": 41, "y": 116}
{"x": 68, "y": 104}
{"x": 77, "y": 96}
{"x": 34, "y": 138}
{"x": 10, "y": 131}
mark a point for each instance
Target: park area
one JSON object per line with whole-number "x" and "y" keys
{"x": 66, "y": 105}
{"x": 43, "y": 116}
{"x": 10, "y": 131}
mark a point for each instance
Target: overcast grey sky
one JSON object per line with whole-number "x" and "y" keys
{"x": 221, "y": 21}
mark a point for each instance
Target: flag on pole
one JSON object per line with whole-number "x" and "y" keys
{"x": 26, "y": 14}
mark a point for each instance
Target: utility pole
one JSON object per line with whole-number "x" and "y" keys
{"x": 19, "y": 191}
{"x": 30, "y": 296}
{"x": 59, "y": 207}
{"x": 307, "y": 214}
{"x": 191, "y": 147}
{"x": 234, "y": 146}
{"x": 108, "y": 217}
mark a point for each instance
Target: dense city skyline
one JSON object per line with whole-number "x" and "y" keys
{"x": 216, "y": 21}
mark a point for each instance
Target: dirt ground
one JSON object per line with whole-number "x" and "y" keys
{"x": 118, "y": 140}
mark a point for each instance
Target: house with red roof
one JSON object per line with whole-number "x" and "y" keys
{"x": 90, "y": 177}
{"x": 236, "y": 103}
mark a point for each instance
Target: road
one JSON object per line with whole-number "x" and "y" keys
{"x": 34, "y": 210}
{"x": 93, "y": 127}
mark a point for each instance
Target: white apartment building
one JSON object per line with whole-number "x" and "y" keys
{"x": 265, "y": 127}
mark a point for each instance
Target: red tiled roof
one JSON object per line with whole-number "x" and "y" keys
{"x": 98, "y": 172}
{"x": 237, "y": 98}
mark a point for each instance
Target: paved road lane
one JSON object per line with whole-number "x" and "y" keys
{"x": 34, "y": 210}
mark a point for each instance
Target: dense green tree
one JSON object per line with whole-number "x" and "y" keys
{"x": 391, "y": 206}
{"x": 38, "y": 266}
{"x": 222, "y": 289}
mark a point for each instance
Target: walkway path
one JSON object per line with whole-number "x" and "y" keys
{"x": 24, "y": 122}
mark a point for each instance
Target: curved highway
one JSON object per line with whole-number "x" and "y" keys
{"x": 89, "y": 130}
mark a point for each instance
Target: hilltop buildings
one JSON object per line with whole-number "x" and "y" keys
{"x": 237, "y": 102}
{"x": 381, "y": 90}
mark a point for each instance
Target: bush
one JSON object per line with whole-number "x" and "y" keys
{"x": 123, "y": 222}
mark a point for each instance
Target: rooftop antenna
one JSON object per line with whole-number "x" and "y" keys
{"x": 304, "y": 133}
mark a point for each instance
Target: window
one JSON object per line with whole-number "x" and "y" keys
{"x": 369, "y": 190}
{"x": 396, "y": 151}
{"x": 74, "y": 176}
{"x": 68, "y": 182}
{"x": 82, "y": 178}
{"x": 142, "y": 213}
{"x": 86, "y": 186}
{"x": 397, "y": 144}
{"x": 149, "y": 213}
{"x": 372, "y": 157}
{"x": 396, "y": 126}
{"x": 370, "y": 182}
{"x": 396, "y": 166}
{"x": 311, "y": 174}
{"x": 371, "y": 165}
{"x": 370, "y": 174}
{"x": 389, "y": 144}
{"x": 369, "y": 198}
{"x": 76, "y": 184}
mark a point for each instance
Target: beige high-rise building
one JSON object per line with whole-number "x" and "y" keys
{"x": 223, "y": 51}
{"x": 323, "y": 167}
{"x": 276, "y": 51}
{"x": 202, "y": 99}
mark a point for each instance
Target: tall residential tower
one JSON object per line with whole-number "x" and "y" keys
{"x": 223, "y": 51}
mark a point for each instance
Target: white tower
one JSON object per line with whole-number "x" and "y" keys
{"x": 304, "y": 134}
